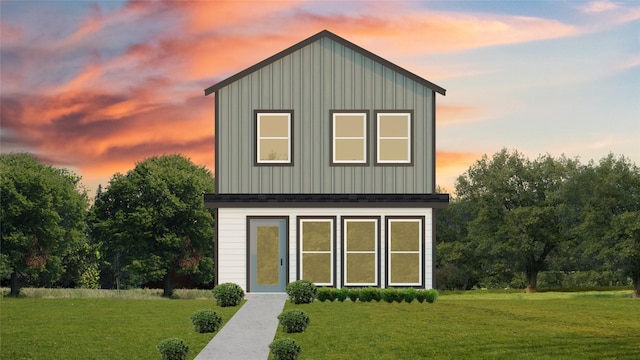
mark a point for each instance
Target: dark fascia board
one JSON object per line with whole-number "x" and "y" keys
{"x": 326, "y": 200}
{"x": 325, "y": 33}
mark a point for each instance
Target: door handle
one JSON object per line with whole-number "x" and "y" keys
{"x": 280, "y": 262}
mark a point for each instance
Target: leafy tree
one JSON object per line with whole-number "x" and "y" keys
{"x": 151, "y": 223}
{"x": 43, "y": 219}
{"x": 608, "y": 217}
{"x": 624, "y": 236}
{"x": 518, "y": 212}
{"x": 458, "y": 265}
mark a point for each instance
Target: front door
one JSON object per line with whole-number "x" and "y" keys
{"x": 267, "y": 244}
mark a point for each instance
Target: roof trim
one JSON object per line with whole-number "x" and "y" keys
{"x": 324, "y": 33}
{"x": 326, "y": 200}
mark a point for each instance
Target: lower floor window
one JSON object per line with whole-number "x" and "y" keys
{"x": 405, "y": 238}
{"x": 360, "y": 246}
{"x": 316, "y": 238}
{"x": 365, "y": 251}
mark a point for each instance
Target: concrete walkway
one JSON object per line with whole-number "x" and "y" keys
{"x": 247, "y": 335}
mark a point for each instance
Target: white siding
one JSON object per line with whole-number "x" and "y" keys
{"x": 232, "y": 232}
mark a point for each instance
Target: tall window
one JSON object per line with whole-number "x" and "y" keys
{"x": 360, "y": 245}
{"x": 273, "y": 137}
{"x": 394, "y": 138}
{"x": 405, "y": 251}
{"x": 349, "y": 137}
{"x": 316, "y": 238}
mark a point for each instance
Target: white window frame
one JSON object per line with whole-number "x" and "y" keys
{"x": 363, "y": 115}
{"x": 259, "y": 116}
{"x": 331, "y": 252}
{"x": 376, "y": 252}
{"x": 408, "y": 116}
{"x": 420, "y": 251}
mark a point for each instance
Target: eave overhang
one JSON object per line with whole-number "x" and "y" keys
{"x": 326, "y": 200}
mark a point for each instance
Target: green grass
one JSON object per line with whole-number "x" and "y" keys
{"x": 89, "y": 327}
{"x": 104, "y": 324}
{"x": 132, "y": 294}
{"x": 476, "y": 325}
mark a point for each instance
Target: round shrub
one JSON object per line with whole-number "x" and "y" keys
{"x": 389, "y": 294}
{"x": 431, "y": 295}
{"x": 341, "y": 294}
{"x": 294, "y": 320}
{"x": 353, "y": 294}
{"x": 376, "y": 294}
{"x": 408, "y": 294}
{"x": 421, "y": 295}
{"x": 206, "y": 320}
{"x": 173, "y": 349}
{"x": 369, "y": 294}
{"x": 228, "y": 294}
{"x": 302, "y": 291}
{"x": 326, "y": 294}
{"x": 285, "y": 349}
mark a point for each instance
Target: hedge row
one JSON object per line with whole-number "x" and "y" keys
{"x": 369, "y": 294}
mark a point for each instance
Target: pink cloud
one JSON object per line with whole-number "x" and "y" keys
{"x": 598, "y": 6}
{"x": 126, "y": 84}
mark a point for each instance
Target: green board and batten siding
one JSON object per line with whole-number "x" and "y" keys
{"x": 321, "y": 76}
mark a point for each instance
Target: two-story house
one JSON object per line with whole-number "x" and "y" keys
{"x": 325, "y": 171}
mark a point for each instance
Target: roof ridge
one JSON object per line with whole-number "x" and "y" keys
{"x": 322, "y": 34}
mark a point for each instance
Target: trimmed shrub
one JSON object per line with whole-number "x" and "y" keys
{"x": 228, "y": 294}
{"x": 431, "y": 295}
{"x": 294, "y": 320}
{"x": 302, "y": 291}
{"x": 408, "y": 294}
{"x": 341, "y": 294}
{"x": 353, "y": 294}
{"x": 389, "y": 294}
{"x": 369, "y": 294}
{"x": 206, "y": 321}
{"x": 285, "y": 349}
{"x": 420, "y": 296}
{"x": 377, "y": 294}
{"x": 324, "y": 294}
{"x": 173, "y": 349}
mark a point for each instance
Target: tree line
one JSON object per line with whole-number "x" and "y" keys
{"x": 511, "y": 220}
{"x": 149, "y": 225}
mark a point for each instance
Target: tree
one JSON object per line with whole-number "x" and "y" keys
{"x": 151, "y": 223}
{"x": 458, "y": 266}
{"x": 624, "y": 236}
{"x": 609, "y": 221}
{"x": 43, "y": 218}
{"x": 518, "y": 215}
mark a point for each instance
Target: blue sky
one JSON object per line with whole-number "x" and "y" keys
{"x": 97, "y": 86}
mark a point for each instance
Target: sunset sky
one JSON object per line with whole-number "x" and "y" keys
{"x": 97, "y": 86}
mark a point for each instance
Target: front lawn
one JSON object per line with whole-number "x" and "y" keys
{"x": 98, "y": 328}
{"x": 476, "y": 325}
{"x": 462, "y": 325}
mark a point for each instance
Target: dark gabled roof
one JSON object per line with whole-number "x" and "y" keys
{"x": 314, "y": 38}
{"x": 326, "y": 200}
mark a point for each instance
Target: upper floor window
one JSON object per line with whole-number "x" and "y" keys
{"x": 274, "y": 142}
{"x": 349, "y": 137}
{"x": 394, "y": 137}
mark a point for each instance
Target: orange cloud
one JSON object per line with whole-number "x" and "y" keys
{"x": 450, "y": 165}
{"x": 107, "y": 96}
{"x": 455, "y": 114}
